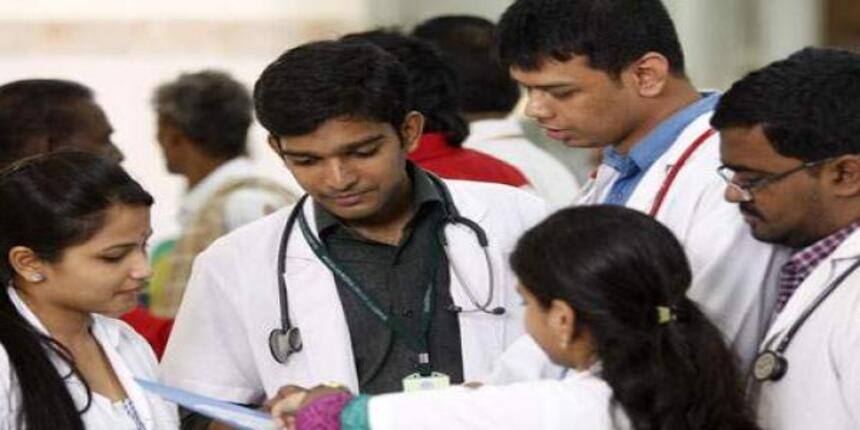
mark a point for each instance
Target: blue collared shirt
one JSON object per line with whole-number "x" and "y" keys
{"x": 632, "y": 167}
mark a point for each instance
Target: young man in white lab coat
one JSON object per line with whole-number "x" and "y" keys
{"x": 791, "y": 154}
{"x": 610, "y": 74}
{"x": 339, "y": 116}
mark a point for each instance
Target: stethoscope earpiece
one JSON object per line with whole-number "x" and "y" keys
{"x": 769, "y": 366}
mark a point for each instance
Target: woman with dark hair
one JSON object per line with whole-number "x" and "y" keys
{"x": 73, "y": 231}
{"x": 605, "y": 291}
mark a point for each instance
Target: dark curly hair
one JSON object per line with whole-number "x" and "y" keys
{"x": 318, "y": 81}
{"x": 807, "y": 104}
{"x": 434, "y": 89}
{"x": 610, "y": 33}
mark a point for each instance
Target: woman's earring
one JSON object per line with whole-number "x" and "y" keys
{"x": 37, "y": 277}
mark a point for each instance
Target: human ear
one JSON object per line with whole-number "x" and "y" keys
{"x": 844, "y": 176}
{"x": 649, "y": 74}
{"x": 411, "y": 130}
{"x": 27, "y": 264}
{"x": 562, "y": 322}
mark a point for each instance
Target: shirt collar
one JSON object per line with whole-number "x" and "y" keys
{"x": 424, "y": 192}
{"x": 655, "y": 144}
{"x": 197, "y": 196}
{"x": 803, "y": 262}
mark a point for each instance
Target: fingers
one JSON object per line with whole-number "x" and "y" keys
{"x": 283, "y": 409}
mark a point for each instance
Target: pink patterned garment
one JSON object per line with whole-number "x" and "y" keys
{"x": 803, "y": 262}
{"x": 323, "y": 413}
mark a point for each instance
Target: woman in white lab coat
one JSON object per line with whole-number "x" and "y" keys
{"x": 73, "y": 231}
{"x": 605, "y": 293}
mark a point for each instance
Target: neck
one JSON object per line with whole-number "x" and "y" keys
{"x": 387, "y": 226}
{"x": 200, "y": 167}
{"x": 66, "y": 326}
{"x": 479, "y": 116}
{"x": 679, "y": 94}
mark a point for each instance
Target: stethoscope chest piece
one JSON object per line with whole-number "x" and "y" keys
{"x": 769, "y": 366}
{"x": 284, "y": 343}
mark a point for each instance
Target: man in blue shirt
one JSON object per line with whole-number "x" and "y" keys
{"x": 610, "y": 74}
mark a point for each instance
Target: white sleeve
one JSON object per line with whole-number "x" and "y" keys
{"x": 246, "y": 205}
{"x": 543, "y": 405}
{"x": 523, "y": 361}
{"x": 209, "y": 352}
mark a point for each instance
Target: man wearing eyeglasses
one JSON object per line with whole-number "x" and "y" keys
{"x": 790, "y": 145}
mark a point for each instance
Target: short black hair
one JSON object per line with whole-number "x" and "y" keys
{"x": 434, "y": 89}
{"x": 807, "y": 104}
{"x": 610, "y": 33}
{"x": 37, "y": 108}
{"x": 318, "y": 81}
{"x": 209, "y": 107}
{"x": 467, "y": 44}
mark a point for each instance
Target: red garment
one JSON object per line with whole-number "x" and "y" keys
{"x": 155, "y": 330}
{"x": 435, "y": 155}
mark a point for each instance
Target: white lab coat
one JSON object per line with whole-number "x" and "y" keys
{"x": 821, "y": 389}
{"x": 129, "y": 356}
{"x": 734, "y": 275}
{"x": 579, "y": 401}
{"x": 219, "y": 345}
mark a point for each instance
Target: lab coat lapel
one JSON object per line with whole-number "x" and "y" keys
{"x": 643, "y": 196}
{"x": 481, "y": 334}
{"x": 316, "y": 309}
{"x": 109, "y": 338}
{"x": 817, "y": 281}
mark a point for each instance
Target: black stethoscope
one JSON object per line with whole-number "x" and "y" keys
{"x": 771, "y": 364}
{"x": 287, "y": 339}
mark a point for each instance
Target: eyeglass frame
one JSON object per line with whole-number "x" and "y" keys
{"x": 746, "y": 190}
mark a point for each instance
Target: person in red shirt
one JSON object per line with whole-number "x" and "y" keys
{"x": 435, "y": 93}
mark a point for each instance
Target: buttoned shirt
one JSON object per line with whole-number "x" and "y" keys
{"x": 633, "y": 166}
{"x": 802, "y": 263}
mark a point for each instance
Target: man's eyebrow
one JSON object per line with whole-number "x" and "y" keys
{"x": 740, "y": 168}
{"x": 345, "y": 148}
{"x": 550, "y": 86}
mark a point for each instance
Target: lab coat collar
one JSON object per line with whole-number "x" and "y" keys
{"x": 109, "y": 336}
{"x": 817, "y": 281}
{"x": 327, "y": 341}
{"x": 469, "y": 207}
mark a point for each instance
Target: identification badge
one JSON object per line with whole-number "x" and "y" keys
{"x": 416, "y": 382}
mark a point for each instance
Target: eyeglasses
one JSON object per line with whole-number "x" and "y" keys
{"x": 745, "y": 189}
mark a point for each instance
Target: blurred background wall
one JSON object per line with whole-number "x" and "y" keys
{"x": 124, "y": 48}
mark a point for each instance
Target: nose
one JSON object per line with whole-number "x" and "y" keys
{"x": 142, "y": 269}
{"x": 536, "y": 107}
{"x": 339, "y": 175}
{"x": 736, "y": 194}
